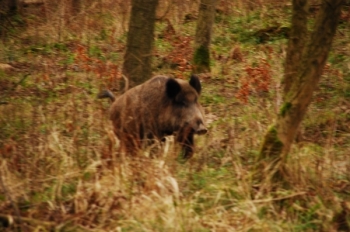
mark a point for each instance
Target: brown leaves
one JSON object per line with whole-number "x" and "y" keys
{"x": 181, "y": 54}
{"x": 257, "y": 79}
{"x": 95, "y": 65}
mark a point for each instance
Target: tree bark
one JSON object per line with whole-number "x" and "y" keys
{"x": 9, "y": 7}
{"x": 76, "y": 6}
{"x": 296, "y": 43}
{"x": 138, "y": 56}
{"x": 279, "y": 138}
{"x": 201, "y": 58}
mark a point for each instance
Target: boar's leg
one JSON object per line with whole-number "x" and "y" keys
{"x": 129, "y": 142}
{"x": 188, "y": 146}
{"x": 186, "y": 139}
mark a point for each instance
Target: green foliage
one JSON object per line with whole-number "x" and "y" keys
{"x": 70, "y": 58}
{"x": 308, "y": 220}
{"x": 222, "y": 40}
{"x": 212, "y": 99}
{"x": 347, "y": 93}
{"x": 68, "y": 190}
{"x": 103, "y": 34}
{"x": 96, "y": 51}
{"x": 336, "y": 58}
{"x": 47, "y": 49}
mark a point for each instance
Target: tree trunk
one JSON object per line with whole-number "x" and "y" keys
{"x": 137, "y": 60}
{"x": 201, "y": 58}
{"x": 279, "y": 138}
{"x": 296, "y": 43}
{"x": 8, "y": 7}
{"x": 76, "y": 6}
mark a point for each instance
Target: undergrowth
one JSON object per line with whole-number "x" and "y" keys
{"x": 59, "y": 165}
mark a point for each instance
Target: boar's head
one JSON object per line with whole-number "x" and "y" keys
{"x": 186, "y": 112}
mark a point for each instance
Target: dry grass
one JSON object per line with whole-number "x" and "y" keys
{"x": 59, "y": 165}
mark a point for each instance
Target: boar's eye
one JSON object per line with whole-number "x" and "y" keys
{"x": 185, "y": 103}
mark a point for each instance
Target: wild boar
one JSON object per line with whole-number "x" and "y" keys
{"x": 159, "y": 107}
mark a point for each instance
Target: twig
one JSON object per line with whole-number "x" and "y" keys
{"x": 20, "y": 82}
{"x": 279, "y": 198}
{"x": 9, "y": 219}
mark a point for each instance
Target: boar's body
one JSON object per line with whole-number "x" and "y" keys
{"x": 159, "y": 107}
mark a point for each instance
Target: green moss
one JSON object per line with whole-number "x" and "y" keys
{"x": 286, "y": 106}
{"x": 272, "y": 146}
{"x": 273, "y": 134}
{"x": 201, "y": 59}
{"x": 2, "y": 75}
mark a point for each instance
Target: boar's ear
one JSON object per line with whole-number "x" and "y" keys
{"x": 195, "y": 83}
{"x": 172, "y": 88}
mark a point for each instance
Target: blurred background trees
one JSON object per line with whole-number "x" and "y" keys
{"x": 139, "y": 46}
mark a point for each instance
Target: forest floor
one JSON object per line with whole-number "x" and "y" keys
{"x": 59, "y": 167}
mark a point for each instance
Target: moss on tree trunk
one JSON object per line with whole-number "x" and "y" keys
{"x": 272, "y": 143}
{"x": 201, "y": 58}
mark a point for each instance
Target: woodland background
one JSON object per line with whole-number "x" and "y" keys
{"x": 59, "y": 168}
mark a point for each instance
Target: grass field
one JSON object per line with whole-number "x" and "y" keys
{"x": 59, "y": 165}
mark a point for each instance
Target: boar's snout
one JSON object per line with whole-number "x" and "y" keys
{"x": 196, "y": 120}
{"x": 201, "y": 130}
{"x": 198, "y": 127}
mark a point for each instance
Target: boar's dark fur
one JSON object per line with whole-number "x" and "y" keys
{"x": 159, "y": 107}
